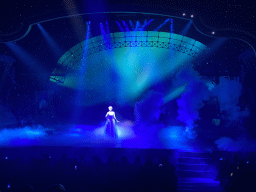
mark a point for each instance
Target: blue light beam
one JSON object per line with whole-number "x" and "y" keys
{"x": 186, "y": 28}
{"x": 162, "y": 25}
{"x": 52, "y": 44}
{"x": 146, "y": 24}
{"x": 28, "y": 59}
{"x": 120, "y": 26}
{"x": 171, "y": 26}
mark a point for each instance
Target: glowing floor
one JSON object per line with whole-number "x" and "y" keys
{"x": 94, "y": 136}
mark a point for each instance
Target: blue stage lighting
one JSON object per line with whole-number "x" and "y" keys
{"x": 186, "y": 28}
{"x": 126, "y": 26}
{"x": 120, "y": 26}
{"x": 146, "y": 24}
{"x": 107, "y": 26}
{"x": 52, "y": 44}
{"x": 131, "y": 24}
{"x": 171, "y": 26}
{"x": 28, "y": 59}
{"x": 162, "y": 25}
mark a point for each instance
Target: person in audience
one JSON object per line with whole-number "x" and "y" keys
{"x": 56, "y": 188}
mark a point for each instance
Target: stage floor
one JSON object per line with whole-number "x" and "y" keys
{"x": 172, "y": 137}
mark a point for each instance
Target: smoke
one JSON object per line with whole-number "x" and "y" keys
{"x": 199, "y": 90}
{"x": 148, "y": 109}
{"x": 69, "y": 135}
{"x": 22, "y": 136}
{"x": 191, "y": 100}
{"x": 228, "y": 93}
{"x": 241, "y": 144}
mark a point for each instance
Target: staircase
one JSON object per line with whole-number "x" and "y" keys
{"x": 197, "y": 172}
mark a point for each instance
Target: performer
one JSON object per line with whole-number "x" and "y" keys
{"x": 110, "y": 124}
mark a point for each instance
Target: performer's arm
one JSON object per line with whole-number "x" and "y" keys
{"x": 106, "y": 115}
{"x": 115, "y": 117}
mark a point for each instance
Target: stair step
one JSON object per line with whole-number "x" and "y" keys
{"x": 200, "y": 188}
{"x": 195, "y": 154}
{"x": 196, "y": 167}
{"x": 197, "y": 180}
{"x": 196, "y": 174}
{"x": 198, "y": 184}
{"x": 194, "y": 160}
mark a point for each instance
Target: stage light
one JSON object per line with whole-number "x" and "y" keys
{"x": 171, "y": 26}
{"x": 26, "y": 57}
{"x": 175, "y": 93}
{"x": 126, "y": 26}
{"x": 186, "y": 28}
{"x": 162, "y": 25}
{"x": 184, "y": 14}
{"x": 192, "y": 16}
{"x": 146, "y": 24}
{"x": 120, "y": 27}
{"x": 56, "y": 49}
{"x": 131, "y": 24}
{"x": 213, "y": 33}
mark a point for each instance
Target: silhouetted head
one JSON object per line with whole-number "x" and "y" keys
{"x": 56, "y": 188}
{"x": 27, "y": 188}
{"x": 110, "y": 108}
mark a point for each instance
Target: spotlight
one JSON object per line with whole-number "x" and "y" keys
{"x": 192, "y": 16}
{"x": 184, "y": 14}
{"x": 213, "y": 32}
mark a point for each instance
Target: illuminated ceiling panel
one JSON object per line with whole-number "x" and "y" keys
{"x": 132, "y": 39}
{"x": 123, "y": 67}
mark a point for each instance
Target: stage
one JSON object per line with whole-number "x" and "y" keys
{"x": 155, "y": 137}
{"x": 176, "y": 97}
{"x": 197, "y": 162}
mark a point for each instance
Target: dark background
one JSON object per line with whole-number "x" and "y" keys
{"x": 227, "y": 18}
